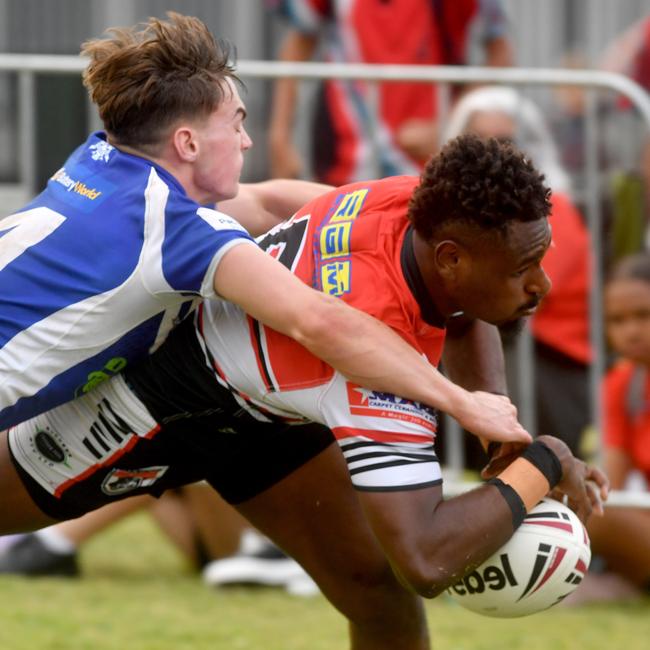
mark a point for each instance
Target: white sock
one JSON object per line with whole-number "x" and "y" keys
{"x": 55, "y": 542}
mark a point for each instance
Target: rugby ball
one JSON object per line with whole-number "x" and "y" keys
{"x": 542, "y": 563}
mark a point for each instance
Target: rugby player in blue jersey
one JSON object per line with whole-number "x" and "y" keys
{"x": 98, "y": 267}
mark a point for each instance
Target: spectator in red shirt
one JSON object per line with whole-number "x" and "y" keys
{"x": 350, "y": 142}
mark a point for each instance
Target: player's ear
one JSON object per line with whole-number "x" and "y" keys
{"x": 185, "y": 143}
{"x": 450, "y": 259}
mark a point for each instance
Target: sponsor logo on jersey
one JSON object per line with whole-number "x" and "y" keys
{"x": 334, "y": 242}
{"x": 101, "y": 151}
{"x": 96, "y": 377}
{"x": 71, "y": 185}
{"x": 335, "y": 278}
{"x": 386, "y": 405}
{"x": 107, "y": 433}
{"x": 219, "y": 220}
{"x": 49, "y": 447}
{"x": 120, "y": 481}
{"x": 349, "y": 206}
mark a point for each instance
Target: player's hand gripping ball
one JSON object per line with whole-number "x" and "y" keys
{"x": 542, "y": 563}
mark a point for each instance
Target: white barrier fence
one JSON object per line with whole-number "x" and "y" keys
{"x": 26, "y": 66}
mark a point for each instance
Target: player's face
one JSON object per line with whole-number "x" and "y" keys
{"x": 503, "y": 279}
{"x": 222, "y": 141}
{"x": 627, "y": 318}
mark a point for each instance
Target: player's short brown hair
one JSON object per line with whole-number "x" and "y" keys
{"x": 144, "y": 78}
{"x": 487, "y": 184}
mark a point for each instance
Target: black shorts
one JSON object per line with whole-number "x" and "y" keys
{"x": 161, "y": 426}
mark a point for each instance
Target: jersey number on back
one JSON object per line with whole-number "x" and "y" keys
{"x": 20, "y": 231}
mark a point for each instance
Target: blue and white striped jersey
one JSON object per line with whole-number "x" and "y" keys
{"x": 95, "y": 271}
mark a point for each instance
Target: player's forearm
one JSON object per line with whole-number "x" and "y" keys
{"x": 260, "y": 206}
{"x": 473, "y": 357}
{"x": 248, "y": 210}
{"x": 432, "y": 543}
{"x": 282, "y": 197}
{"x": 370, "y": 354}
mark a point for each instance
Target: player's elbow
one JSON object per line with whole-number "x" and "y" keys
{"x": 426, "y": 579}
{"x": 425, "y": 572}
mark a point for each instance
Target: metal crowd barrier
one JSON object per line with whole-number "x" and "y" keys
{"x": 26, "y": 66}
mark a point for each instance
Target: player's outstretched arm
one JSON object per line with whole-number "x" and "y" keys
{"x": 260, "y": 206}
{"x": 360, "y": 347}
{"x": 432, "y": 543}
{"x": 473, "y": 359}
{"x": 473, "y": 356}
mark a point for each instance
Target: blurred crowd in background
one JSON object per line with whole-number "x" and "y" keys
{"x": 592, "y": 145}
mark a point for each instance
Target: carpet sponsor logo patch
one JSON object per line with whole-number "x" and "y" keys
{"x": 386, "y": 405}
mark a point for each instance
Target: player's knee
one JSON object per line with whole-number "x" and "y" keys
{"x": 18, "y": 512}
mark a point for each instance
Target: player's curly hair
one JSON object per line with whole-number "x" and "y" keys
{"x": 144, "y": 78}
{"x": 483, "y": 183}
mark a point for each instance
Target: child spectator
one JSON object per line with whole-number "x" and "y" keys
{"x": 622, "y": 536}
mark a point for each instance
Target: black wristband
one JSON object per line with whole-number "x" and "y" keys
{"x": 545, "y": 461}
{"x": 514, "y": 501}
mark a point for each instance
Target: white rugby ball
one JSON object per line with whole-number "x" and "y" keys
{"x": 542, "y": 563}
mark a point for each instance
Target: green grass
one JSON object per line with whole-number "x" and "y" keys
{"x": 136, "y": 593}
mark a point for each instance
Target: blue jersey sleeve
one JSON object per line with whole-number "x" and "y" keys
{"x": 193, "y": 248}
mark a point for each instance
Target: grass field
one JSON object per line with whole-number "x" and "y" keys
{"x": 136, "y": 593}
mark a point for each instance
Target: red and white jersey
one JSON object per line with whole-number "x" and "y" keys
{"x": 354, "y": 243}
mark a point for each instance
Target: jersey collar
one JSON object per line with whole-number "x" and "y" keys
{"x": 413, "y": 277}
